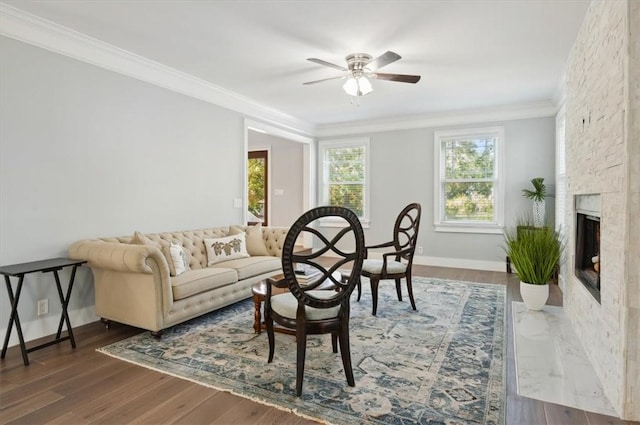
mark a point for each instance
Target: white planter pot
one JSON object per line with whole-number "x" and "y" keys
{"x": 534, "y": 296}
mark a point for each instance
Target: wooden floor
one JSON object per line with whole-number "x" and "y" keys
{"x": 81, "y": 386}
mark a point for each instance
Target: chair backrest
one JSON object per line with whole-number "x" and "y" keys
{"x": 405, "y": 231}
{"x": 347, "y": 245}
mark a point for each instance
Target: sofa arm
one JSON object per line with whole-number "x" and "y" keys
{"x": 274, "y": 239}
{"x": 118, "y": 256}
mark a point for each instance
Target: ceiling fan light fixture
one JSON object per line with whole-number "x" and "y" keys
{"x": 357, "y": 86}
{"x": 360, "y": 69}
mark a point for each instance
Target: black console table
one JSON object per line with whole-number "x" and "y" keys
{"x": 44, "y": 266}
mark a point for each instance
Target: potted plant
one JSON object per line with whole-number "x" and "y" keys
{"x": 535, "y": 253}
{"x": 538, "y": 195}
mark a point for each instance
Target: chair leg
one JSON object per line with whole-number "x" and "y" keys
{"x": 268, "y": 320}
{"x": 410, "y": 290}
{"x": 346, "y": 355}
{"x": 301, "y": 339}
{"x": 359, "y": 289}
{"x": 374, "y": 292}
{"x": 398, "y": 290}
{"x": 334, "y": 341}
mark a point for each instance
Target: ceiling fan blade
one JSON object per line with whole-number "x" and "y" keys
{"x": 397, "y": 77}
{"x": 325, "y": 63}
{"x": 382, "y": 60}
{"x": 324, "y": 79}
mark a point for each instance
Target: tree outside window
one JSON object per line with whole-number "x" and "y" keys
{"x": 346, "y": 178}
{"x": 256, "y": 172}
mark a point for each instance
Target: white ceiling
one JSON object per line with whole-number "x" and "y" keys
{"x": 470, "y": 54}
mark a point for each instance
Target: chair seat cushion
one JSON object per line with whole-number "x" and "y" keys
{"x": 286, "y": 305}
{"x": 375, "y": 267}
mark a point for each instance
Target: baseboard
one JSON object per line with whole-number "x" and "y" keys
{"x": 456, "y": 263}
{"x": 460, "y": 263}
{"x": 49, "y": 325}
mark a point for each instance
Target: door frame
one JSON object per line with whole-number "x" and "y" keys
{"x": 309, "y": 150}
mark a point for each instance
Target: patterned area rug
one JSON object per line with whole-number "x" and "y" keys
{"x": 442, "y": 364}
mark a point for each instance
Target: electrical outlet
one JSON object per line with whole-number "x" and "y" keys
{"x": 43, "y": 307}
{"x": 419, "y": 250}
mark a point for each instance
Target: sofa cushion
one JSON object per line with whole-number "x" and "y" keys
{"x": 252, "y": 266}
{"x": 255, "y": 240}
{"x": 201, "y": 280}
{"x": 227, "y": 248}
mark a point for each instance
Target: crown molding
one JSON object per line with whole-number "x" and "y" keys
{"x": 31, "y": 29}
{"x": 440, "y": 119}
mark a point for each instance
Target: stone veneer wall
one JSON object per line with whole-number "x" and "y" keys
{"x": 603, "y": 156}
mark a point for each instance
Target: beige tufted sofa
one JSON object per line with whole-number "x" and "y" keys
{"x": 133, "y": 284}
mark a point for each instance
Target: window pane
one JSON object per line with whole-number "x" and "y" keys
{"x": 345, "y": 154}
{"x": 345, "y": 164}
{"x": 347, "y": 195}
{"x": 471, "y": 201}
{"x": 469, "y": 159}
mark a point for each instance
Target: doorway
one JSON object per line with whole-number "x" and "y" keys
{"x": 258, "y": 187}
{"x": 291, "y": 180}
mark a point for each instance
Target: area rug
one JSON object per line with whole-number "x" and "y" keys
{"x": 441, "y": 364}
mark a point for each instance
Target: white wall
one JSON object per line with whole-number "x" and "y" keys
{"x": 402, "y": 172}
{"x": 85, "y": 152}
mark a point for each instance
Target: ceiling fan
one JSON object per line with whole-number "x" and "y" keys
{"x": 361, "y": 67}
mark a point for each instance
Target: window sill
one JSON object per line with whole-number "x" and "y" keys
{"x": 341, "y": 223}
{"x": 492, "y": 229}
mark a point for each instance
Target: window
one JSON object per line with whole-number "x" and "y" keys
{"x": 344, "y": 175}
{"x": 469, "y": 191}
{"x": 561, "y": 170}
{"x": 561, "y": 186}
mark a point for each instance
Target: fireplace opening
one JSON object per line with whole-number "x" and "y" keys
{"x": 588, "y": 253}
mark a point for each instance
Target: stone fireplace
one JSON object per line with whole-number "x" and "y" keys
{"x": 602, "y": 110}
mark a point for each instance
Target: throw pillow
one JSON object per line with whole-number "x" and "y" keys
{"x": 142, "y": 239}
{"x": 139, "y": 239}
{"x": 179, "y": 258}
{"x": 235, "y": 229}
{"x": 227, "y": 248}
{"x": 255, "y": 241}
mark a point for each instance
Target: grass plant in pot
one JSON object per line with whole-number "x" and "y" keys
{"x": 535, "y": 253}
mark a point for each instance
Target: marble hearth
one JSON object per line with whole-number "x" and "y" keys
{"x": 551, "y": 364}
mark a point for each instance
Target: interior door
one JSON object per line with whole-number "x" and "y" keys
{"x": 258, "y": 187}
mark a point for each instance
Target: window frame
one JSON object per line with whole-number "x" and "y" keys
{"x": 561, "y": 185}
{"x": 323, "y": 187}
{"x": 442, "y": 225}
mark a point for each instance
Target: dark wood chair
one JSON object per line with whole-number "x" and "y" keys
{"x": 305, "y": 308}
{"x": 397, "y": 263}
